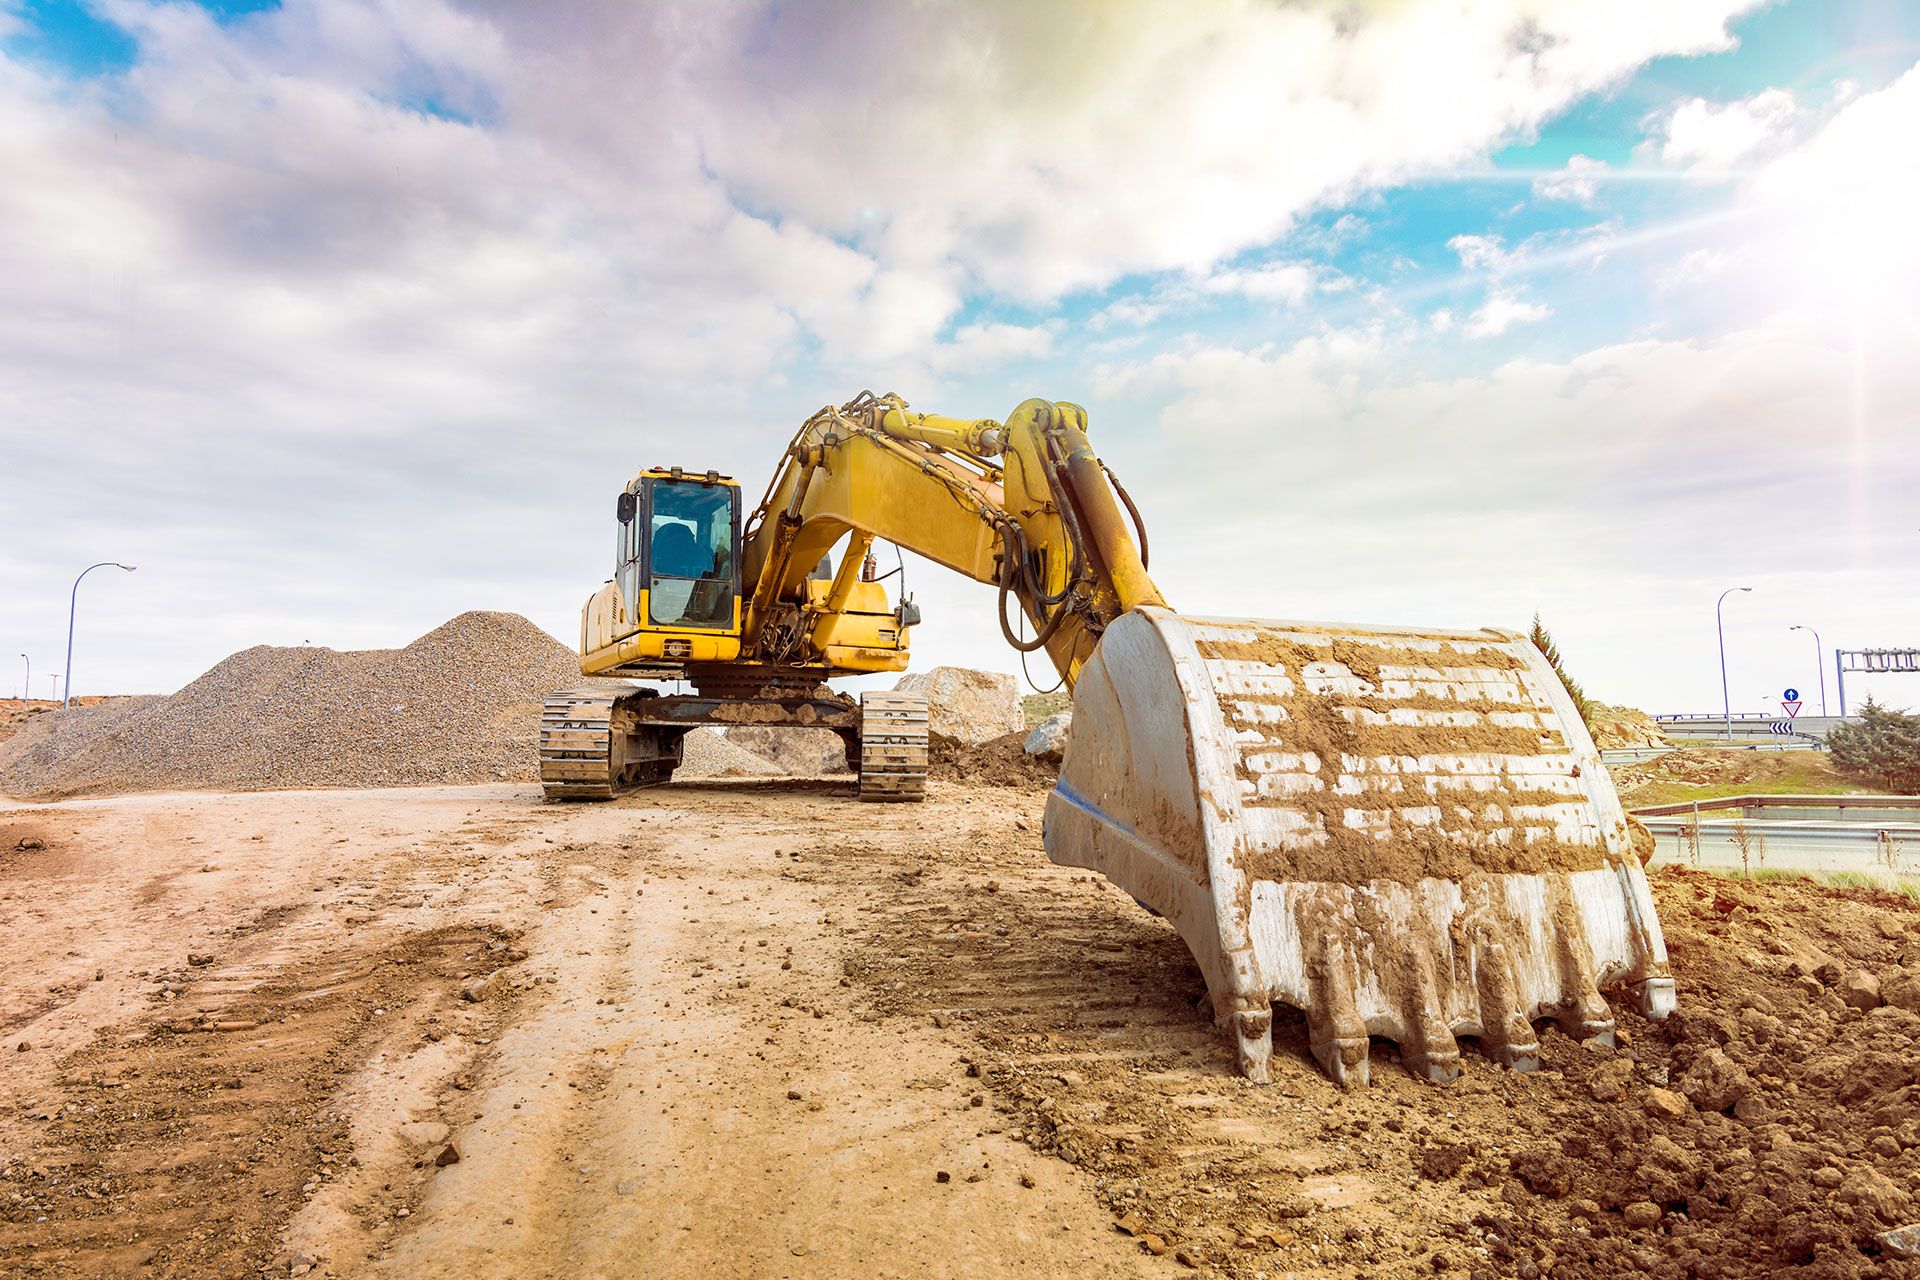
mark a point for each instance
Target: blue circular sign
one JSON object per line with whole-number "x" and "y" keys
{"x": 1792, "y": 695}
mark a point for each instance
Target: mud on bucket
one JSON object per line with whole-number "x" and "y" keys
{"x": 1404, "y": 834}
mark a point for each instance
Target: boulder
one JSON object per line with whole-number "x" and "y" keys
{"x": 1049, "y": 738}
{"x": 968, "y": 706}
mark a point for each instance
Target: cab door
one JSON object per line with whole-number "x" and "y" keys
{"x": 629, "y": 558}
{"x": 692, "y": 571}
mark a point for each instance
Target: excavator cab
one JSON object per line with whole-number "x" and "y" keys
{"x": 681, "y": 541}
{"x": 675, "y": 593}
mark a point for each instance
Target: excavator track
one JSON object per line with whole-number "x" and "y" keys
{"x": 593, "y": 747}
{"x": 893, "y": 746}
{"x": 576, "y": 745}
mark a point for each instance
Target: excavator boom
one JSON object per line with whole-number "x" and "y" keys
{"x": 1405, "y": 833}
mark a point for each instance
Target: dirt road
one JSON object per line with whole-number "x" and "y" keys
{"x": 759, "y": 1029}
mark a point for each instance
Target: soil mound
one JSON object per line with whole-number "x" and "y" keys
{"x": 997, "y": 762}
{"x": 1704, "y": 772}
{"x": 460, "y": 704}
{"x": 1615, "y": 727}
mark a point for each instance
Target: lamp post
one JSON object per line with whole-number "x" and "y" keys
{"x": 1818, "y": 666}
{"x": 72, "y": 602}
{"x": 1726, "y": 699}
{"x": 26, "y": 690}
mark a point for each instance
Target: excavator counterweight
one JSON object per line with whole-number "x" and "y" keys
{"x": 1405, "y": 833}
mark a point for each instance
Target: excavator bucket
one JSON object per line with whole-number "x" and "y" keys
{"x": 1403, "y": 834}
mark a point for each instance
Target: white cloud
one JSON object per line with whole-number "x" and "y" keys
{"x": 1129, "y": 312}
{"x": 1173, "y": 137}
{"x": 1477, "y": 253}
{"x": 1718, "y": 135}
{"x": 1287, "y": 283}
{"x": 1577, "y": 182}
{"x": 983, "y": 346}
{"x": 1694, "y": 267}
{"x": 1598, "y": 489}
{"x": 306, "y": 350}
{"x": 1500, "y": 312}
{"x": 1843, "y": 201}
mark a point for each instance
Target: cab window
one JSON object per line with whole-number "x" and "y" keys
{"x": 690, "y": 553}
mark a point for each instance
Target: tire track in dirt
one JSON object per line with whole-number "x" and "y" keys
{"x": 178, "y": 1148}
{"x": 724, "y": 1113}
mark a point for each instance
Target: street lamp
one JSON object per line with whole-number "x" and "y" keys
{"x": 1726, "y": 699}
{"x": 27, "y": 688}
{"x": 1818, "y": 664}
{"x": 72, "y": 601}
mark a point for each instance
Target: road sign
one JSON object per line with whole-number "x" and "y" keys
{"x": 1781, "y": 727}
{"x": 1791, "y": 695}
{"x": 1792, "y": 708}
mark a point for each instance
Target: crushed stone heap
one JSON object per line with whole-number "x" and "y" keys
{"x": 460, "y": 704}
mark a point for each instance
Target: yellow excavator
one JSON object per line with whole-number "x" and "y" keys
{"x": 1407, "y": 834}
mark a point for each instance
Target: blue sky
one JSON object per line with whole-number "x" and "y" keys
{"x": 341, "y": 318}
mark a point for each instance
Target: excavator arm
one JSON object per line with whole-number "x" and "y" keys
{"x": 1024, "y": 505}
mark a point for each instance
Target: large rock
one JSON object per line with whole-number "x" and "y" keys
{"x": 1049, "y": 738}
{"x": 968, "y": 706}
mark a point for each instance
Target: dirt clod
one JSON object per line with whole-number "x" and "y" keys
{"x": 1715, "y": 1082}
{"x": 1665, "y": 1104}
{"x": 1609, "y": 1081}
{"x": 1861, "y": 990}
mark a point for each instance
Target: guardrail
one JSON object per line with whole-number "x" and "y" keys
{"x": 1849, "y": 808}
{"x": 1873, "y": 835}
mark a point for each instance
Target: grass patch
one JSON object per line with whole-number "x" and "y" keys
{"x": 1717, "y": 774}
{"x": 1907, "y": 886}
{"x": 1654, "y": 793}
{"x": 1038, "y": 706}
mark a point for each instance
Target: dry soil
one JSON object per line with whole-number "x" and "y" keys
{"x": 760, "y": 1029}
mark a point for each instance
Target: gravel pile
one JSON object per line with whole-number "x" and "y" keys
{"x": 460, "y": 704}
{"x": 704, "y": 753}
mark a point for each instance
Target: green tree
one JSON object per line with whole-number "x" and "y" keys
{"x": 1543, "y": 641}
{"x": 1883, "y": 746}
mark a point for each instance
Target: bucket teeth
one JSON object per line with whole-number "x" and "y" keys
{"x": 1335, "y": 1032}
{"x": 1654, "y": 998}
{"x": 1506, "y": 1035}
{"x": 1253, "y": 1042}
{"x": 1429, "y": 1049}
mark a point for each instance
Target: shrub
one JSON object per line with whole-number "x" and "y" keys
{"x": 1543, "y": 641}
{"x": 1883, "y": 746}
